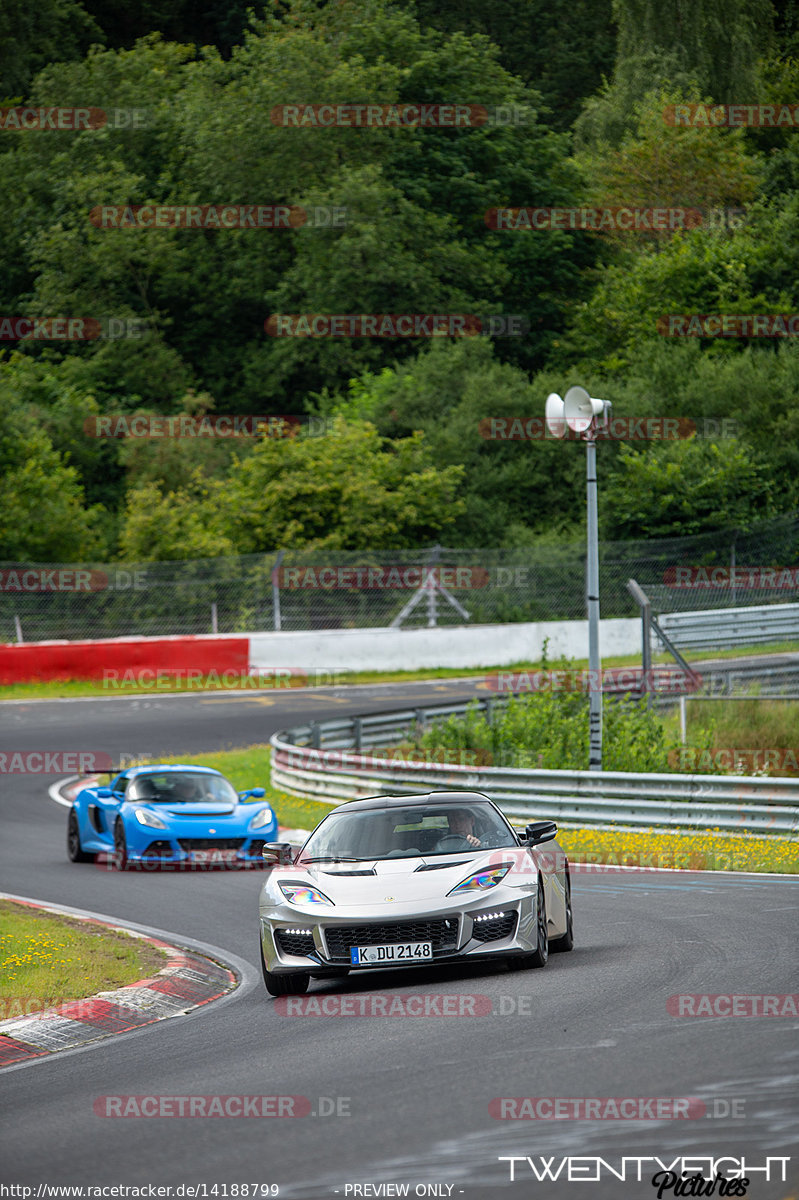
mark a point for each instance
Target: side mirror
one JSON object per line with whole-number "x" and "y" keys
{"x": 540, "y": 831}
{"x": 277, "y": 853}
{"x": 257, "y": 792}
{"x": 104, "y": 793}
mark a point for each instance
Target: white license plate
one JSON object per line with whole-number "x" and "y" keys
{"x": 400, "y": 952}
{"x": 213, "y": 856}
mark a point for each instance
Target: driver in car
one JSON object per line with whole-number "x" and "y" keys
{"x": 186, "y": 790}
{"x": 461, "y": 824}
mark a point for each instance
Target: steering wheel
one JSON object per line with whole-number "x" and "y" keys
{"x": 460, "y": 840}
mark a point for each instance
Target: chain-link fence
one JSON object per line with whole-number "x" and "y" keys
{"x": 297, "y": 590}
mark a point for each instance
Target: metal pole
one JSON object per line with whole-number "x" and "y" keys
{"x": 646, "y": 653}
{"x": 642, "y": 600}
{"x": 276, "y": 589}
{"x": 18, "y": 627}
{"x": 592, "y": 580}
{"x": 214, "y": 619}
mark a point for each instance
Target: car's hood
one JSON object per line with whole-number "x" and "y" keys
{"x": 377, "y": 880}
{"x": 214, "y": 808}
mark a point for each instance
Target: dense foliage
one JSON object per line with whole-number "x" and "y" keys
{"x": 405, "y": 457}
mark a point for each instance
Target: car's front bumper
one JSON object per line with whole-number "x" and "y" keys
{"x": 164, "y": 847}
{"x": 480, "y": 927}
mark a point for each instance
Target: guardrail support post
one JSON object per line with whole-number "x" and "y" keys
{"x": 357, "y": 734}
{"x": 316, "y": 735}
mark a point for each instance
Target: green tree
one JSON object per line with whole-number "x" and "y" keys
{"x": 684, "y": 487}
{"x": 162, "y": 524}
{"x": 43, "y": 517}
{"x": 512, "y": 489}
{"x": 32, "y": 35}
{"x": 348, "y": 490}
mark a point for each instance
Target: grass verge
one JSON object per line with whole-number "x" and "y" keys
{"x": 48, "y": 960}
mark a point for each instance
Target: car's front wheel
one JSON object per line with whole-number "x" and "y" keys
{"x": 566, "y": 942}
{"x": 295, "y": 984}
{"x": 74, "y": 850}
{"x": 523, "y": 962}
{"x": 120, "y": 847}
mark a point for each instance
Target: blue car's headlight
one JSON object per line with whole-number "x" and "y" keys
{"x": 481, "y": 881}
{"x": 264, "y": 817}
{"x": 301, "y": 893}
{"x": 145, "y": 817}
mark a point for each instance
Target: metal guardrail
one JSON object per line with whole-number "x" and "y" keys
{"x": 324, "y": 761}
{"x": 718, "y": 629}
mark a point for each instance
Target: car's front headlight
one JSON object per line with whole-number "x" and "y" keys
{"x": 481, "y": 881}
{"x": 145, "y": 817}
{"x": 302, "y": 893}
{"x": 264, "y": 817}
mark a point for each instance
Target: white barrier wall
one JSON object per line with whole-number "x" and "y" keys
{"x": 453, "y": 646}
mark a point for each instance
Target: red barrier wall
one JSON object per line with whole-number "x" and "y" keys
{"x": 35, "y": 661}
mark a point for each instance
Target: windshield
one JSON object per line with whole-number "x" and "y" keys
{"x": 181, "y": 787}
{"x": 421, "y": 830}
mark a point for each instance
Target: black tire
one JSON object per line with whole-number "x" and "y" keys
{"x": 526, "y": 962}
{"x": 120, "y": 847}
{"x": 75, "y": 852}
{"x": 566, "y": 942}
{"x": 284, "y": 985}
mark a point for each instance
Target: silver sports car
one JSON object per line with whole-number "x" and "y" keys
{"x": 411, "y": 880}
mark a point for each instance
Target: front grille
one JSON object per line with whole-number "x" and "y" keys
{"x": 442, "y": 932}
{"x": 210, "y": 843}
{"x": 493, "y": 930}
{"x": 294, "y": 943}
{"x": 159, "y": 850}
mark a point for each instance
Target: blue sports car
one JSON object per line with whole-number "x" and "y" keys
{"x": 169, "y": 814}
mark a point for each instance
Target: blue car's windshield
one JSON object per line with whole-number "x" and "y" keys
{"x": 419, "y": 830}
{"x": 181, "y": 787}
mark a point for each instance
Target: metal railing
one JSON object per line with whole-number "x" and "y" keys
{"x": 324, "y": 761}
{"x": 727, "y": 628}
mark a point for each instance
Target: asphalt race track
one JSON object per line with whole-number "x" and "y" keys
{"x": 410, "y": 1095}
